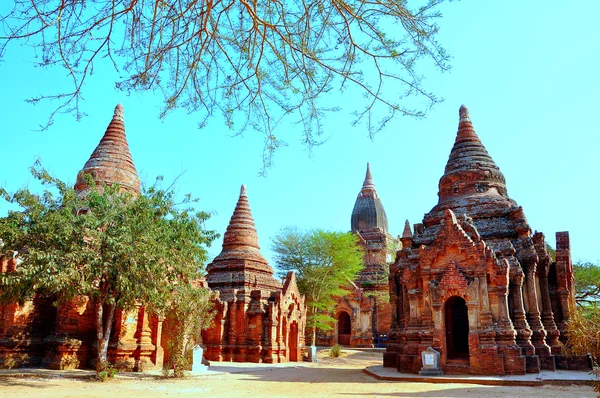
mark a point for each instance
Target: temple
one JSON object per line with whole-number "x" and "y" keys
{"x": 473, "y": 281}
{"x": 39, "y": 333}
{"x": 364, "y": 314}
{"x": 257, "y": 318}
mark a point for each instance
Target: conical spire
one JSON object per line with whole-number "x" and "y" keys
{"x": 368, "y": 212}
{"x": 407, "y": 233}
{"x": 368, "y": 186}
{"x": 241, "y": 230}
{"x": 240, "y": 265}
{"x": 470, "y": 169}
{"x": 111, "y": 161}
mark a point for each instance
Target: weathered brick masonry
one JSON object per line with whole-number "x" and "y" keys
{"x": 63, "y": 337}
{"x": 475, "y": 283}
{"x": 257, "y": 318}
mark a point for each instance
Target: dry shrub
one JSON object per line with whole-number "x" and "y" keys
{"x": 584, "y": 337}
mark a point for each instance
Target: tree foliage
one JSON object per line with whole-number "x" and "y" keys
{"x": 253, "y": 62}
{"x": 189, "y": 313}
{"x": 116, "y": 249}
{"x": 325, "y": 263}
{"x": 587, "y": 283}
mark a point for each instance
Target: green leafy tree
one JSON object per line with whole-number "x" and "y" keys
{"x": 261, "y": 60}
{"x": 116, "y": 249}
{"x": 188, "y": 314}
{"x": 587, "y": 283}
{"x": 325, "y": 263}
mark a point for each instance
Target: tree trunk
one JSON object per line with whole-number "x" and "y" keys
{"x": 103, "y": 329}
{"x": 314, "y": 336}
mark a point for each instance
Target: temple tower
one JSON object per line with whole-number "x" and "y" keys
{"x": 111, "y": 161}
{"x": 258, "y": 319}
{"x": 364, "y": 314}
{"x": 132, "y": 345}
{"x": 370, "y": 223}
{"x": 472, "y": 280}
{"x": 64, "y": 336}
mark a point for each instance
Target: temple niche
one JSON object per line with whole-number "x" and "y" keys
{"x": 363, "y": 316}
{"x": 473, "y": 281}
{"x": 257, "y": 318}
{"x": 40, "y": 334}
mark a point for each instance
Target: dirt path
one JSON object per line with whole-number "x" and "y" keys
{"x": 340, "y": 377}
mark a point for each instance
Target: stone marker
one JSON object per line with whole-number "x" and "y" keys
{"x": 311, "y": 354}
{"x": 430, "y": 359}
{"x": 198, "y": 365}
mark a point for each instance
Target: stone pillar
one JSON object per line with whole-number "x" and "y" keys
{"x": 538, "y": 337}
{"x": 523, "y": 338}
{"x": 547, "y": 315}
{"x": 124, "y": 343}
{"x": 514, "y": 362}
{"x": 485, "y": 316}
{"x": 145, "y": 347}
{"x": 159, "y": 353}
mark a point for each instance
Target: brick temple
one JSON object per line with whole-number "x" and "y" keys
{"x": 39, "y": 334}
{"x": 364, "y": 314}
{"x": 258, "y": 319}
{"x": 473, "y": 281}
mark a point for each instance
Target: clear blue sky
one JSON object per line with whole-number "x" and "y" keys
{"x": 527, "y": 70}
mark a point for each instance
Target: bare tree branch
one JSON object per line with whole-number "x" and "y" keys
{"x": 255, "y": 62}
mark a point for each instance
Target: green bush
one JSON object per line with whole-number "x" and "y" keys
{"x": 335, "y": 351}
{"x": 107, "y": 374}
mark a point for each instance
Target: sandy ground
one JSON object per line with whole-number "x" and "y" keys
{"x": 340, "y": 377}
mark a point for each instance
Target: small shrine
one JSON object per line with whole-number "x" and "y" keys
{"x": 258, "y": 319}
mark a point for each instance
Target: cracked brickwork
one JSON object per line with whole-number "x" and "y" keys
{"x": 257, "y": 319}
{"x": 476, "y": 247}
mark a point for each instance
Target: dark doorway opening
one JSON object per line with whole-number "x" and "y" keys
{"x": 457, "y": 328}
{"x": 344, "y": 328}
{"x": 293, "y": 342}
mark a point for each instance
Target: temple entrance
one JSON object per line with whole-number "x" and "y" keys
{"x": 344, "y": 328}
{"x": 457, "y": 328}
{"x": 293, "y": 342}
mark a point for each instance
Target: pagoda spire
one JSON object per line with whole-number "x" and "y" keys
{"x": 470, "y": 168}
{"x": 368, "y": 211}
{"x": 111, "y": 161}
{"x": 368, "y": 185}
{"x": 241, "y": 230}
{"x": 240, "y": 265}
{"x": 407, "y": 233}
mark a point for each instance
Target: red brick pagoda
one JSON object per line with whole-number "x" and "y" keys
{"x": 257, "y": 318}
{"x": 474, "y": 282}
{"x": 40, "y": 334}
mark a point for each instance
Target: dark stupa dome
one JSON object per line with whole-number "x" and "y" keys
{"x": 368, "y": 210}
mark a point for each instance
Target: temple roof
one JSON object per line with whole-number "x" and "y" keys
{"x": 470, "y": 169}
{"x": 472, "y": 185}
{"x": 240, "y": 264}
{"x": 368, "y": 212}
{"x": 111, "y": 161}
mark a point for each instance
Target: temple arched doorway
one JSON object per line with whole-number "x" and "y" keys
{"x": 457, "y": 328}
{"x": 344, "y": 328}
{"x": 293, "y": 342}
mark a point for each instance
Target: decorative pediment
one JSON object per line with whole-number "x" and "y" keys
{"x": 459, "y": 243}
